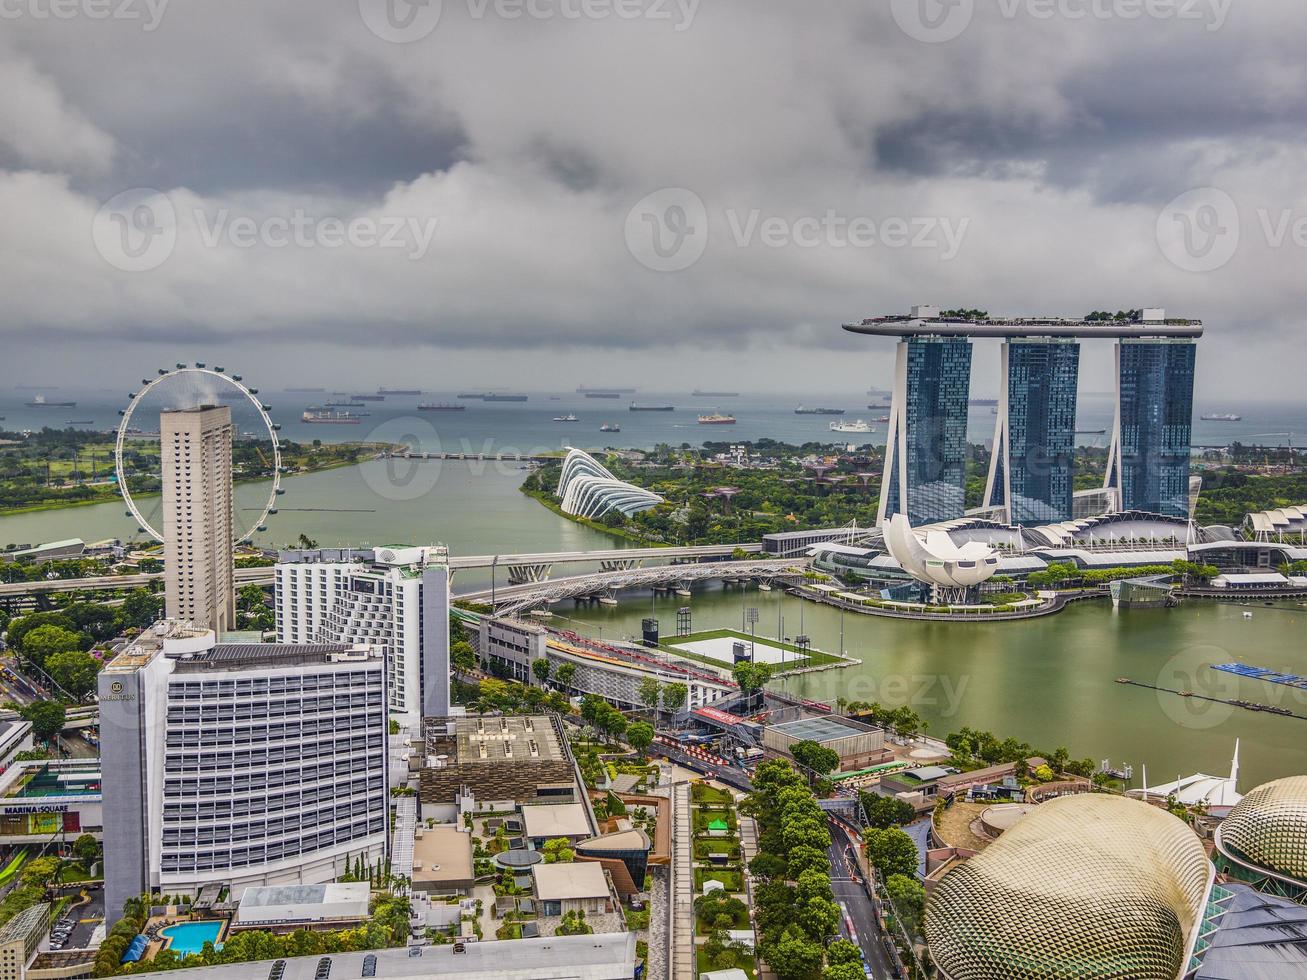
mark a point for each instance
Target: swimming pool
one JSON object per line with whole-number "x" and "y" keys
{"x": 190, "y": 937}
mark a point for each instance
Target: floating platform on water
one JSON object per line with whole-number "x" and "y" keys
{"x": 1264, "y": 674}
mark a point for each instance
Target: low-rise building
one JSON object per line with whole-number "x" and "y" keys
{"x": 19, "y": 939}
{"x": 285, "y": 908}
{"x": 51, "y": 798}
{"x": 576, "y": 887}
{"x": 474, "y": 763}
{"x": 442, "y": 860}
{"x": 547, "y": 821}
{"x": 859, "y": 746}
{"x": 15, "y": 737}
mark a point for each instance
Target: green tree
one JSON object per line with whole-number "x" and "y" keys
{"x": 891, "y": 852}
{"x": 73, "y": 670}
{"x": 44, "y": 642}
{"x": 140, "y": 608}
{"x": 558, "y": 850}
{"x": 650, "y": 692}
{"x": 540, "y": 669}
{"x": 565, "y": 674}
{"x": 86, "y": 849}
{"x": 640, "y": 736}
{"x": 886, "y": 811}
{"x": 47, "y": 718}
{"x": 674, "y": 697}
{"x": 793, "y": 956}
{"x": 909, "y": 898}
{"x": 815, "y": 756}
{"x": 574, "y": 924}
{"x": 751, "y": 677}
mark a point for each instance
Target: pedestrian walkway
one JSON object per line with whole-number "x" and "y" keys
{"x": 748, "y": 850}
{"x": 682, "y": 938}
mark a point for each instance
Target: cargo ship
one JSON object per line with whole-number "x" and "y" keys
{"x": 697, "y": 393}
{"x": 330, "y": 418}
{"x": 368, "y": 398}
{"x": 440, "y": 407}
{"x": 818, "y": 411}
{"x": 40, "y": 402}
{"x": 716, "y": 419}
{"x": 583, "y": 390}
{"x": 504, "y": 398}
{"x": 609, "y": 427}
{"x": 1221, "y": 418}
{"x": 650, "y": 408}
{"x": 603, "y": 394}
{"x": 569, "y": 417}
{"x": 398, "y": 391}
{"x": 471, "y": 394}
{"x": 344, "y": 404}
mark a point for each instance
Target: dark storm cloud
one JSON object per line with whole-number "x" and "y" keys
{"x": 1049, "y": 146}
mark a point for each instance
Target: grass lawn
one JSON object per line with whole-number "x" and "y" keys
{"x": 733, "y": 880}
{"x": 704, "y": 846}
{"x": 742, "y": 962}
{"x": 710, "y": 795}
{"x": 813, "y": 658}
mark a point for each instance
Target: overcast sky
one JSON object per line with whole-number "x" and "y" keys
{"x": 667, "y": 193}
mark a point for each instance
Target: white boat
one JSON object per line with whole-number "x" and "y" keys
{"x": 859, "y": 425}
{"x": 566, "y": 418}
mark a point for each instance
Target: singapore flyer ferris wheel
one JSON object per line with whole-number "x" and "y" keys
{"x": 256, "y": 447}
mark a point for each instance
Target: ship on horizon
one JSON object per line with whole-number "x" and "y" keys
{"x": 651, "y": 408}
{"x": 716, "y": 419}
{"x": 494, "y": 397}
{"x": 330, "y": 418}
{"x": 368, "y": 398}
{"x": 40, "y": 402}
{"x": 818, "y": 411}
{"x": 440, "y": 407}
{"x": 398, "y": 391}
{"x": 857, "y": 425}
{"x": 1229, "y": 417}
{"x": 603, "y": 394}
{"x": 583, "y": 390}
{"x": 697, "y": 393}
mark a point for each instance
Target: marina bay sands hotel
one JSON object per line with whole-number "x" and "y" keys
{"x": 1031, "y": 472}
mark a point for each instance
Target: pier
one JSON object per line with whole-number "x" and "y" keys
{"x": 1233, "y": 702}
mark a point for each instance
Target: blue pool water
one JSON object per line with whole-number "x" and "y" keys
{"x": 190, "y": 937}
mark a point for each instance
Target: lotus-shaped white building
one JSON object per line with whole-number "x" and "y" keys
{"x": 587, "y": 489}
{"x": 934, "y": 558}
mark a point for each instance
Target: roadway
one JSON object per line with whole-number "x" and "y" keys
{"x": 847, "y": 884}
{"x": 264, "y": 576}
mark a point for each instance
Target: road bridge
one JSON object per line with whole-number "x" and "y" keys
{"x": 537, "y": 567}
{"x": 512, "y": 599}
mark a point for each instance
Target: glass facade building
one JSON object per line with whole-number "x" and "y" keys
{"x": 926, "y": 445}
{"x": 1151, "y": 437}
{"x": 1034, "y": 434}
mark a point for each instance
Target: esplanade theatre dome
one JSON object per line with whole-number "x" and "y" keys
{"x": 1269, "y": 827}
{"x": 1090, "y": 887}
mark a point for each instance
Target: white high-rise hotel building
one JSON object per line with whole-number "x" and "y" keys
{"x": 245, "y": 763}
{"x": 198, "y": 553}
{"x": 394, "y": 598}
